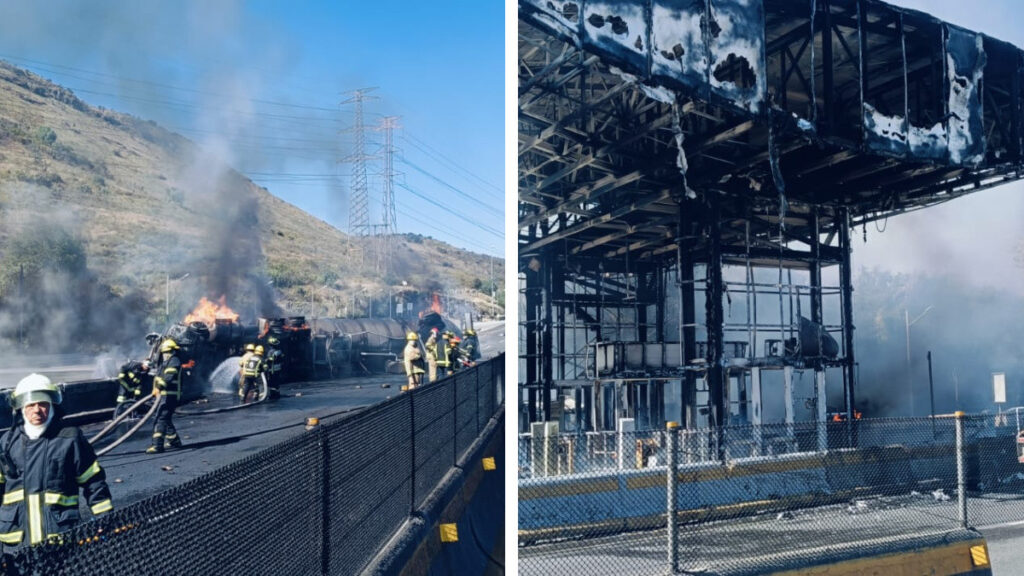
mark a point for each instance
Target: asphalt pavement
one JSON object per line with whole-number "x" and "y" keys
{"x": 775, "y": 539}
{"x": 215, "y": 440}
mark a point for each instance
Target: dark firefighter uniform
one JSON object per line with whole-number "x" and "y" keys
{"x": 273, "y": 367}
{"x": 443, "y": 356}
{"x": 471, "y": 345}
{"x": 131, "y": 379}
{"x": 41, "y": 479}
{"x": 167, "y": 388}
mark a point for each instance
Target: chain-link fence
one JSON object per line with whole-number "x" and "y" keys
{"x": 323, "y": 502}
{"x": 748, "y": 500}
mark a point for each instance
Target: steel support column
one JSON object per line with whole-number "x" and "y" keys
{"x": 687, "y": 308}
{"x": 532, "y": 297}
{"x": 713, "y": 314}
{"x": 550, "y": 277}
{"x": 846, "y": 286}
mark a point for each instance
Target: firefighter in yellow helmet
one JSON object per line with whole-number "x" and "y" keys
{"x": 43, "y": 465}
{"x": 431, "y": 346}
{"x": 252, "y": 370}
{"x": 413, "y": 359}
{"x": 443, "y": 354}
{"x": 250, "y": 350}
{"x": 471, "y": 345}
{"x": 167, "y": 390}
{"x": 456, "y": 356}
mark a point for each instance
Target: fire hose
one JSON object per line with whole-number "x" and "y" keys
{"x": 138, "y": 404}
{"x": 261, "y": 399}
{"x": 128, "y": 434}
{"x": 113, "y": 423}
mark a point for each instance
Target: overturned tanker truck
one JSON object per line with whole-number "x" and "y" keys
{"x": 331, "y": 348}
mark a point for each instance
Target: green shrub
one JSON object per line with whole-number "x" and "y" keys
{"x": 45, "y": 135}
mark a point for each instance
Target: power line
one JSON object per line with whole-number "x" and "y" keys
{"x": 437, "y": 155}
{"x": 449, "y": 186}
{"x": 483, "y": 227}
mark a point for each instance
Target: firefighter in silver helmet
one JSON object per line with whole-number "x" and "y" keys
{"x": 413, "y": 360}
{"x": 43, "y": 466}
{"x": 167, "y": 389}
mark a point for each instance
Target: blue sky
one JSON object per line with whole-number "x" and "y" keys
{"x": 263, "y": 83}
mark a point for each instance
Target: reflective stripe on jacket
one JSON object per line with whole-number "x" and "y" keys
{"x": 40, "y": 480}
{"x": 168, "y": 382}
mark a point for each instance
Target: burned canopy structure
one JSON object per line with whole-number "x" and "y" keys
{"x": 690, "y": 175}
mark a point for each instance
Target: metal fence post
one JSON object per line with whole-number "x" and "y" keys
{"x": 672, "y": 462}
{"x": 961, "y": 473}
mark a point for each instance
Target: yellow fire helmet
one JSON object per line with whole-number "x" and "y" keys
{"x": 412, "y": 336}
{"x": 169, "y": 345}
{"x": 259, "y": 350}
{"x": 250, "y": 347}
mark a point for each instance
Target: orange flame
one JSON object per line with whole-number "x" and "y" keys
{"x": 209, "y": 312}
{"x": 435, "y": 303}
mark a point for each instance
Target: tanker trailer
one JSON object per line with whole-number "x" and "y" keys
{"x": 362, "y": 345}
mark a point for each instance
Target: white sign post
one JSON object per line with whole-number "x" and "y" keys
{"x": 999, "y": 391}
{"x": 999, "y": 387}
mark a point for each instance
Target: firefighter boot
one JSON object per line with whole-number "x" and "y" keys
{"x": 157, "y": 446}
{"x": 172, "y": 441}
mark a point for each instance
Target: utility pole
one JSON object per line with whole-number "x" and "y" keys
{"x": 910, "y": 379}
{"x": 167, "y": 294}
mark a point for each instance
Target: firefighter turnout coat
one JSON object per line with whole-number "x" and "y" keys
{"x": 168, "y": 381}
{"x": 40, "y": 483}
{"x": 413, "y": 359}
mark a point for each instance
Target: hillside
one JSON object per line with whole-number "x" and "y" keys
{"x": 103, "y": 216}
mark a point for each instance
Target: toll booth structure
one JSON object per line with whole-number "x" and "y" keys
{"x": 691, "y": 176}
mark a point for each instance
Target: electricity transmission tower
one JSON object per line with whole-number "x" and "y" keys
{"x": 359, "y": 202}
{"x": 389, "y": 222}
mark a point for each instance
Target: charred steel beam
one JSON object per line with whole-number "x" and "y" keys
{"x": 713, "y": 317}
{"x": 606, "y": 217}
{"x": 550, "y": 277}
{"x": 604, "y": 301}
{"x": 816, "y": 250}
{"x": 629, "y": 230}
{"x": 567, "y": 52}
{"x": 688, "y": 237}
{"x": 827, "y": 255}
{"x": 532, "y": 297}
{"x": 564, "y": 121}
{"x": 827, "y": 70}
{"x": 862, "y": 18}
{"x": 846, "y": 287}
{"x": 559, "y": 82}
